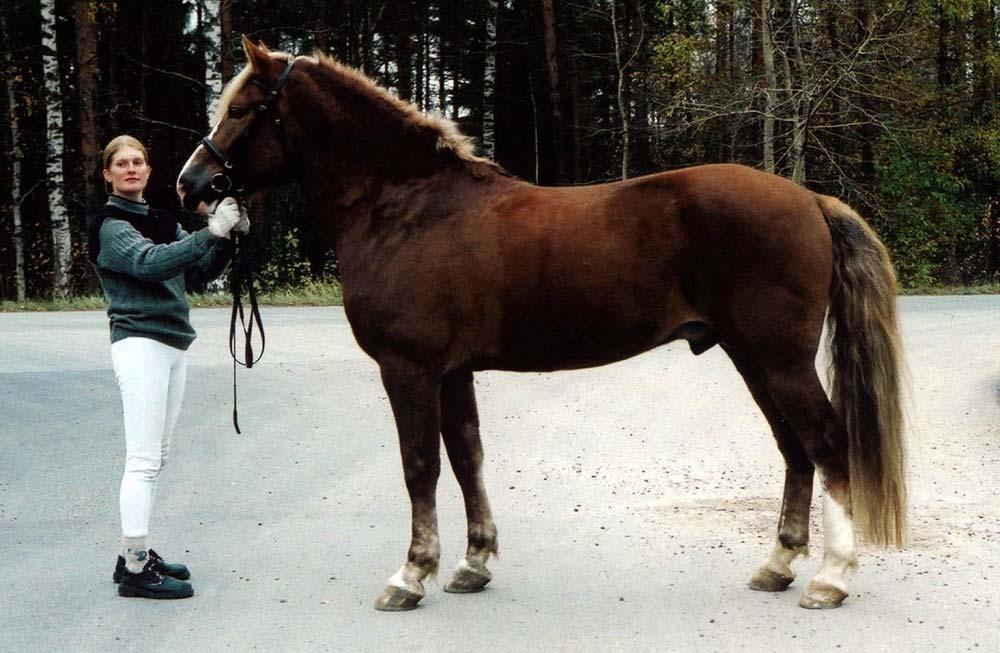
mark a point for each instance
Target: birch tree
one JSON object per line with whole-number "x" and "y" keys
{"x": 622, "y": 112}
{"x": 771, "y": 83}
{"x": 489, "y": 80}
{"x": 15, "y": 158}
{"x": 622, "y": 67}
{"x": 58, "y": 216}
{"x": 552, "y": 67}
{"x": 212, "y": 31}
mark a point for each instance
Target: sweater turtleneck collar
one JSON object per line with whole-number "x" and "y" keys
{"x": 139, "y": 208}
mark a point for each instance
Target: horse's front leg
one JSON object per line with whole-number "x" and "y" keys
{"x": 460, "y": 429}
{"x": 415, "y": 396}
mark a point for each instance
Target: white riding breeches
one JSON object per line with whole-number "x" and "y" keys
{"x": 151, "y": 378}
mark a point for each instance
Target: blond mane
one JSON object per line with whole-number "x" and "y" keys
{"x": 448, "y": 135}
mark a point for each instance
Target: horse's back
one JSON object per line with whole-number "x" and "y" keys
{"x": 585, "y": 275}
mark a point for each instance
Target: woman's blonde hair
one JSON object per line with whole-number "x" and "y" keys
{"x": 117, "y": 143}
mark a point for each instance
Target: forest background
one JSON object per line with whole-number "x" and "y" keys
{"x": 890, "y": 105}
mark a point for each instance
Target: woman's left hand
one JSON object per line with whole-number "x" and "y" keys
{"x": 243, "y": 226}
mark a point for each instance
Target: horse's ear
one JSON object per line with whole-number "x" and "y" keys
{"x": 257, "y": 57}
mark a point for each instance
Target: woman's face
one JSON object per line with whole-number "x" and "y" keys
{"x": 128, "y": 173}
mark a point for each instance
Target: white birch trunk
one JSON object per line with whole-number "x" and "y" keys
{"x": 489, "y": 77}
{"x": 15, "y": 157}
{"x": 772, "y": 83}
{"x": 61, "y": 245}
{"x": 212, "y": 29}
{"x": 802, "y": 106}
{"x": 622, "y": 112}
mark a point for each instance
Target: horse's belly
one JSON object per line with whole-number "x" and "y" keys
{"x": 542, "y": 345}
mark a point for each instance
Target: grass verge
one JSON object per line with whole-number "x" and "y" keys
{"x": 312, "y": 293}
{"x": 328, "y": 293}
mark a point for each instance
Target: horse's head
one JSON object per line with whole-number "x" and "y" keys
{"x": 247, "y": 149}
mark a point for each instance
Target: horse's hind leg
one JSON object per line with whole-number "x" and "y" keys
{"x": 460, "y": 429}
{"x": 415, "y": 398}
{"x": 792, "y": 541}
{"x": 798, "y": 394}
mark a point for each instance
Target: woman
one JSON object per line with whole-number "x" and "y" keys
{"x": 142, "y": 257}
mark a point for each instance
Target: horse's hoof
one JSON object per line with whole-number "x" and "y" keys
{"x": 766, "y": 580}
{"x": 397, "y": 599}
{"x": 468, "y": 579}
{"x": 820, "y": 596}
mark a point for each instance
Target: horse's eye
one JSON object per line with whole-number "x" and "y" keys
{"x": 237, "y": 112}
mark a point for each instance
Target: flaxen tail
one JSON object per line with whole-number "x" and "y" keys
{"x": 866, "y": 373}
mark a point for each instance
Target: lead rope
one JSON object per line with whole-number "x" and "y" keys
{"x": 243, "y": 273}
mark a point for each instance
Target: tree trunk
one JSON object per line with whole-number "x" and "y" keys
{"x": 723, "y": 27}
{"x": 85, "y": 15}
{"x": 576, "y": 169}
{"x": 427, "y": 71}
{"x": 756, "y": 49}
{"x": 797, "y": 99}
{"x": 402, "y": 27}
{"x": 984, "y": 113}
{"x": 800, "y": 106}
{"x": 58, "y": 217}
{"x": 420, "y": 24}
{"x": 943, "y": 59}
{"x": 984, "y": 92}
{"x": 552, "y": 66}
{"x": 226, "y": 58}
{"x": 15, "y": 159}
{"x": 489, "y": 79}
{"x": 144, "y": 39}
{"x": 211, "y": 30}
{"x": 767, "y": 45}
{"x": 367, "y": 42}
{"x": 320, "y": 30}
{"x": 622, "y": 110}
{"x": 534, "y": 123}
{"x": 442, "y": 74}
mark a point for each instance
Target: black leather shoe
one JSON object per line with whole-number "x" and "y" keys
{"x": 178, "y": 571}
{"x": 151, "y": 583}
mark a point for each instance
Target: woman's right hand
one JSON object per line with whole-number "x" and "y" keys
{"x": 226, "y": 216}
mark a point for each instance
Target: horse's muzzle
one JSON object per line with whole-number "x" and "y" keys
{"x": 195, "y": 189}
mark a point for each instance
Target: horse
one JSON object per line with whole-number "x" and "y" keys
{"x": 450, "y": 266}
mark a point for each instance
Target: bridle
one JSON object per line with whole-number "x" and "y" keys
{"x": 225, "y": 183}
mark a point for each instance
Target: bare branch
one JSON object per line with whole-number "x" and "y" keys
{"x": 167, "y": 124}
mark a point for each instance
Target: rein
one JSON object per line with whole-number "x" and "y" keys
{"x": 227, "y": 183}
{"x": 242, "y": 273}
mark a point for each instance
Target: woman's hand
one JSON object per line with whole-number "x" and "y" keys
{"x": 243, "y": 226}
{"x": 226, "y": 216}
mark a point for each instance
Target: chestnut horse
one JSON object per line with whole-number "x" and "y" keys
{"x": 450, "y": 266}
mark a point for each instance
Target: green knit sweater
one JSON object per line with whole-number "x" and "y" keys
{"x": 143, "y": 276}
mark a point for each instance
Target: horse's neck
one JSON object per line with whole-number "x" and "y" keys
{"x": 341, "y": 200}
{"x": 350, "y": 223}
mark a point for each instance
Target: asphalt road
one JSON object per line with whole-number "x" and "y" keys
{"x": 634, "y": 502}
